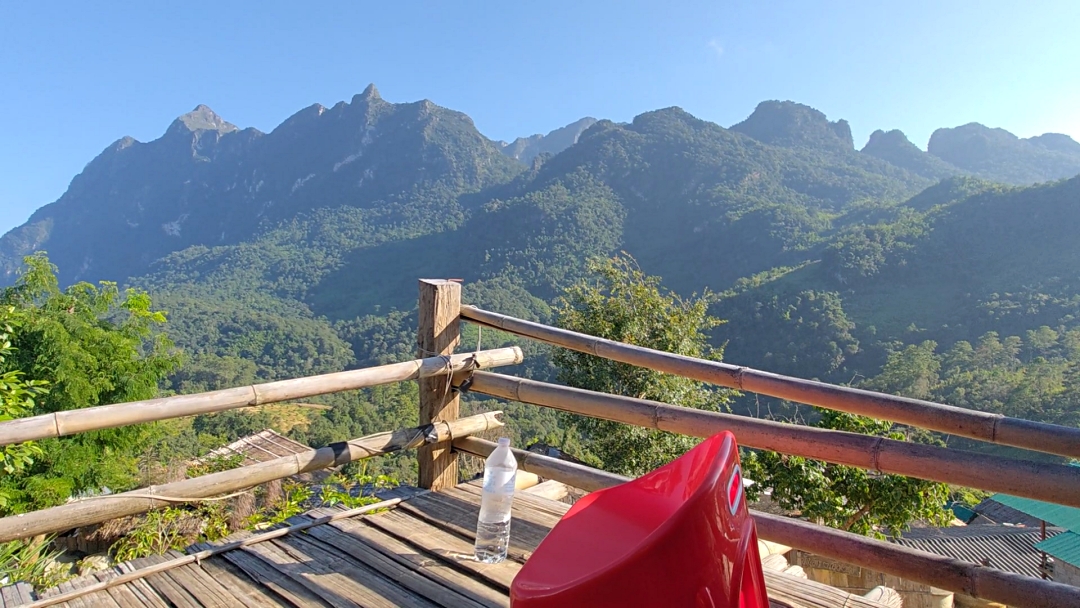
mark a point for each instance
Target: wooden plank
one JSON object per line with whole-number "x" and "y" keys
{"x": 550, "y": 489}
{"x": 121, "y": 594}
{"x": 124, "y": 597}
{"x": 268, "y": 576}
{"x": 172, "y": 592}
{"x": 98, "y": 598}
{"x": 8, "y": 596}
{"x": 26, "y": 592}
{"x": 165, "y": 585}
{"x": 407, "y": 577}
{"x": 438, "y": 334}
{"x": 77, "y": 602}
{"x": 802, "y": 593}
{"x": 147, "y": 595}
{"x": 57, "y": 590}
{"x": 459, "y": 514}
{"x": 450, "y": 548}
{"x": 361, "y": 582}
{"x": 195, "y": 581}
{"x": 327, "y": 585}
{"x": 414, "y": 557}
{"x": 245, "y": 590}
{"x": 524, "y": 499}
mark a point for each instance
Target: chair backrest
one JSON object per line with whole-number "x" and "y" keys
{"x": 678, "y": 536}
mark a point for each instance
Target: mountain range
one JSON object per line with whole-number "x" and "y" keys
{"x": 299, "y": 249}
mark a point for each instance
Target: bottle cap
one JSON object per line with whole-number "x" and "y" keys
{"x": 504, "y": 441}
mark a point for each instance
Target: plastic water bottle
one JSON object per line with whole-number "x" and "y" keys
{"x": 493, "y": 527}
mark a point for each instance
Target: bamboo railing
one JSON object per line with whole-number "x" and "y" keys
{"x": 1039, "y": 480}
{"x": 1043, "y": 481}
{"x": 982, "y": 426}
{"x": 941, "y": 572}
{"x": 98, "y": 509}
{"x": 70, "y": 422}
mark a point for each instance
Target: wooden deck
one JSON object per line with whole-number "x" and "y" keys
{"x": 418, "y": 553}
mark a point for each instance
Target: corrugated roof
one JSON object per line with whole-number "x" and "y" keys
{"x": 1065, "y": 547}
{"x": 1008, "y": 548}
{"x": 1057, "y": 515}
{"x": 990, "y": 511}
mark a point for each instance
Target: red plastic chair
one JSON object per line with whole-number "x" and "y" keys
{"x": 678, "y": 536}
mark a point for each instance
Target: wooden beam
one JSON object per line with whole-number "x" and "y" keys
{"x": 1042, "y": 481}
{"x": 136, "y": 412}
{"x": 439, "y": 333}
{"x": 982, "y": 426}
{"x": 942, "y": 572}
{"x": 103, "y": 508}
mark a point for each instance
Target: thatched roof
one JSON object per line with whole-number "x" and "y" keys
{"x": 260, "y": 447}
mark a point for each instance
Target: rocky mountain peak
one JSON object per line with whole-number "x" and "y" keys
{"x": 202, "y": 118}
{"x": 790, "y": 124}
{"x": 369, "y": 96}
{"x": 894, "y": 147}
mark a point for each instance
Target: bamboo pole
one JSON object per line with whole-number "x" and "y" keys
{"x": 70, "y": 422}
{"x": 438, "y": 334}
{"x": 982, "y": 426}
{"x": 1042, "y": 481}
{"x": 942, "y": 572}
{"x": 196, "y": 557}
{"x": 103, "y": 508}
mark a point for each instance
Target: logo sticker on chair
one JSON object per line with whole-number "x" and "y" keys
{"x": 735, "y": 489}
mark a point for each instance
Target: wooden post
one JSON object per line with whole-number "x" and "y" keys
{"x": 440, "y": 303}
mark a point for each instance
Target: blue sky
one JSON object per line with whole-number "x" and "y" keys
{"x": 76, "y": 76}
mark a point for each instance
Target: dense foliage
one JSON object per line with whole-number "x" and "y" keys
{"x": 621, "y": 303}
{"x": 92, "y": 345}
{"x": 844, "y": 497}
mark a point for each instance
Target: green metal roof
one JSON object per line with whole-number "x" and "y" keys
{"x": 1064, "y": 546}
{"x": 1057, "y": 515}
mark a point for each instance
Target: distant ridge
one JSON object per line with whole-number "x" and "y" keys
{"x": 894, "y": 147}
{"x": 526, "y": 149}
{"x": 999, "y": 155}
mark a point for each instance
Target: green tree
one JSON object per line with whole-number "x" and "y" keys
{"x": 16, "y": 400}
{"x": 93, "y": 345}
{"x": 912, "y": 372}
{"x": 620, "y": 302}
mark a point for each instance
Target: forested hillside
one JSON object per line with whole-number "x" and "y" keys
{"x": 297, "y": 251}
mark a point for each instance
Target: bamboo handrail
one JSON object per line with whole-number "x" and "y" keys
{"x": 70, "y": 422}
{"x": 103, "y": 508}
{"x": 191, "y": 558}
{"x": 1042, "y": 481}
{"x": 942, "y": 572}
{"x": 982, "y": 426}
